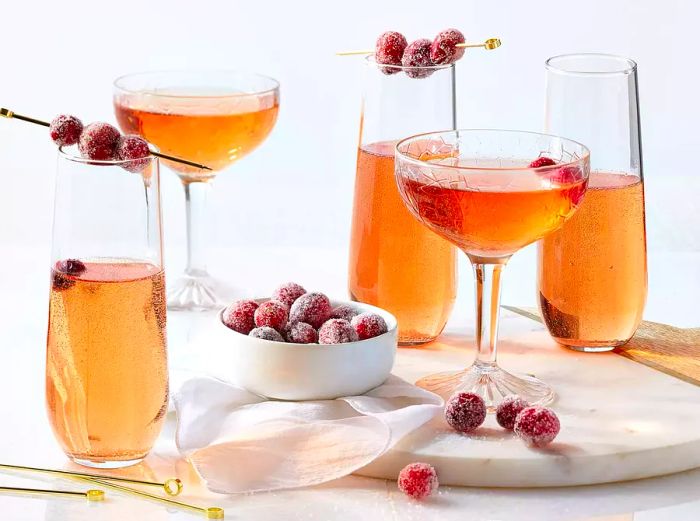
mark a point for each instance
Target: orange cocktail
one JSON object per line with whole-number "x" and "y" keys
{"x": 395, "y": 262}
{"x": 106, "y": 364}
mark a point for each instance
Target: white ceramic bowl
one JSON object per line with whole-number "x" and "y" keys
{"x": 308, "y": 371}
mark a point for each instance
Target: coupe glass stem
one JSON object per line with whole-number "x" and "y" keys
{"x": 488, "y": 298}
{"x": 196, "y": 194}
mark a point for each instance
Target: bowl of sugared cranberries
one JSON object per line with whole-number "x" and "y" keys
{"x": 300, "y": 345}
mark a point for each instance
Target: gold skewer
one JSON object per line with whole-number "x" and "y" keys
{"x": 171, "y": 486}
{"x": 7, "y": 113}
{"x": 92, "y": 495}
{"x": 490, "y": 44}
{"x": 209, "y": 512}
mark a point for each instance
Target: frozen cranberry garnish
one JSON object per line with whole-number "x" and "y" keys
{"x": 417, "y": 54}
{"x": 71, "y": 266}
{"x": 389, "y": 50}
{"x": 60, "y": 281}
{"x": 99, "y": 142}
{"x": 239, "y": 316}
{"x": 65, "y": 130}
{"x": 508, "y": 410}
{"x": 444, "y": 48}
{"x": 272, "y": 314}
{"x": 537, "y": 426}
{"x": 336, "y": 331}
{"x": 312, "y": 308}
{"x": 344, "y": 311}
{"x": 266, "y": 333}
{"x": 542, "y": 161}
{"x": 418, "y": 480}
{"x": 133, "y": 148}
{"x": 288, "y": 293}
{"x": 464, "y": 412}
{"x": 369, "y": 325}
{"x": 301, "y": 333}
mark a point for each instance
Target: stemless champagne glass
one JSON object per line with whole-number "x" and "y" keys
{"x": 592, "y": 273}
{"x": 395, "y": 263}
{"x": 476, "y": 189}
{"x": 213, "y": 118}
{"x": 106, "y": 362}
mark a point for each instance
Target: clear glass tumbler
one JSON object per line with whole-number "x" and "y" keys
{"x": 106, "y": 360}
{"x": 395, "y": 263}
{"x": 592, "y": 272}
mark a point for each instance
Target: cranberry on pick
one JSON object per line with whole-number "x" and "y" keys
{"x": 417, "y": 54}
{"x": 418, "y": 480}
{"x": 133, "y": 148}
{"x": 444, "y": 48}
{"x": 389, "y": 50}
{"x": 99, "y": 142}
{"x": 65, "y": 130}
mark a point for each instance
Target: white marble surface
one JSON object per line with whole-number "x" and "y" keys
{"x": 26, "y": 437}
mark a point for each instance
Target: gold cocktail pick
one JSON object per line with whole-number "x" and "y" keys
{"x": 209, "y": 512}
{"x": 171, "y": 486}
{"x": 7, "y": 113}
{"x": 490, "y": 44}
{"x": 91, "y": 495}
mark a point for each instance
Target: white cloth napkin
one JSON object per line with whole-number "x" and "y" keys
{"x": 240, "y": 442}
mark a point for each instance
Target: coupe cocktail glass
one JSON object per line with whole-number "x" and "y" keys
{"x": 592, "y": 273}
{"x": 474, "y": 188}
{"x": 106, "y": 363}
{"x": 212, "y": 118}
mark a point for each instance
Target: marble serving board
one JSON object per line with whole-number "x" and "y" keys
{"x": 620, "y": 419}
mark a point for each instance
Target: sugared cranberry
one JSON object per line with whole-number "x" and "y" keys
{"x": 60, "y": 281}
{"x": 508, "y": 410}
{"x": 417, "y": 54}
{"x": 444, "y": 48}
{"x": 266, "y": 333}
{"x": 135, "y": 150}
{"x": 99, "y": 142}
{"x": 71, "y": 266}
{"x": 65, "y": 130}
{"x": 464, "y": 412}
{"x": 389, "y": 50}
{"x": 301, "y": 333}
{"x": 537, "y": 426}
{"x": 344, "y": 311}
{"x": 369, "y": 325}
{"x": 418, "y": 480}
{"x": 239, "y": 316}
{"x": 336, "y": 331}
{"x": 312, "y": 308}
{"x": 571, "y": 175}
{"x": 288, "y": 293}
{"x": 272, "y": 314}
{"x": 541, "y": 162}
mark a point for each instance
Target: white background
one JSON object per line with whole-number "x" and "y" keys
{"x": 296, "y": 190}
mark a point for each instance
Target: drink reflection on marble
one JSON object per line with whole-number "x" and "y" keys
{"x": 213, "y": 118}
{"x": 106, "y": 361}
{"x": 474, "y": 188}
{"x": 394, "y": 262}
{"x": 592, "y": 274}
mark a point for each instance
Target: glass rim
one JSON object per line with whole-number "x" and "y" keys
{"x": 370, "y": 60}
{"x": 550, "y": 64}
{"x": 68, "y": 156}
{"x": 234, "y": 95}
{"x": 557, "y": 166}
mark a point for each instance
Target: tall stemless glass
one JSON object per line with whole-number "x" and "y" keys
{"x": 395, "y": 263}
{"x": 106, "y": 361}
{"x": 213, "y": 118}
{"x": 476, "y": 189}
{"x": 592, "y": 273}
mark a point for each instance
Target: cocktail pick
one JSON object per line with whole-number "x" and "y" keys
{"x": 490, "y": 44}
{"x": 91, "y": 495}
{"x": 7, "y": 113}
{"x": 209, "y": 512}
{"x": 171, "y": 486}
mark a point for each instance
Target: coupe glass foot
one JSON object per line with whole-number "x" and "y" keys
{"x": 491, "y": 383}
{"x": 196, "y": 293}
